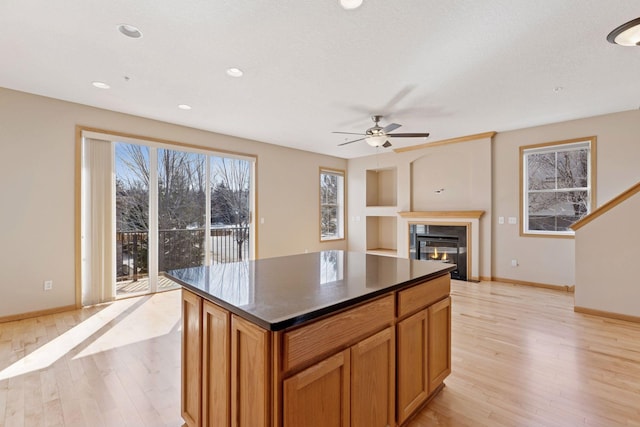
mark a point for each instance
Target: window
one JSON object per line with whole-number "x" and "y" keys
{"x": 557, "y": 185}
{"x": 331, "y": 204}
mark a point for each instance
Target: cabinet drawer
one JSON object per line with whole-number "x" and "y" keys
{"x": 325, "y": 336}
{"x": 422, "y": 295}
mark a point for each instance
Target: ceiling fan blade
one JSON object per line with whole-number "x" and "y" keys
{"x": 349, "y": 142}
{"x": 392, "y": 126}
{"x": 386, "y": 144}
{"x": 350, "y": 133}
{"x": 408, "y": 135}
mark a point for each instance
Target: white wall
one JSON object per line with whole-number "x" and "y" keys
{"x": 37, "y": 179}
{"x": 607, "y": 253}
{"x": 552, "y": 260}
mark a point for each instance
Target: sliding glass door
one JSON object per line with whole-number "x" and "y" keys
{"x": 176, "y": 209}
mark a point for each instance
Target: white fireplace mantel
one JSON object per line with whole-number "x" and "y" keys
{"x": 442, "y": 214}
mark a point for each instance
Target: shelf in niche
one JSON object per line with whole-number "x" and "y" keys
{"x": 383, "y": 252}
{"x": 382, "y": 234}
{"x": 382, "y": 187}
{"x": 381, "y": 211}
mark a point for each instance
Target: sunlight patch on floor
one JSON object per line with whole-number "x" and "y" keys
{"x": 138, "y": 323}
{"x": 50, "y": 352}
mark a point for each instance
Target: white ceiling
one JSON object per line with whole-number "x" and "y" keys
{"x": 452, "y": 68}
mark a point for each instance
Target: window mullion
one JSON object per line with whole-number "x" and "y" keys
{"x": 153, "y": 219}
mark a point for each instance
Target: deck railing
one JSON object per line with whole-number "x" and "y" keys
{"x": 178, "y": 248}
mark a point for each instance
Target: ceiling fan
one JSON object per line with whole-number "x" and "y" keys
{"x": 377, "y": 136}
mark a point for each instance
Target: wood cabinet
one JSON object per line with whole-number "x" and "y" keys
{"x": 191, "y": 358}
{"x": 249, "y": 374}
{"x": 413, "y": 383}
{"x": 319, "y": 396}
{"x": 225, "y": 368}
{"x": 216, "y": 365}
{"x": 374, "y": 364}
{"x": 355, "y": 387}
{"x": 373, "y": 382}
{"x": 439, "y": 338}
{"x": 424, "y": 356}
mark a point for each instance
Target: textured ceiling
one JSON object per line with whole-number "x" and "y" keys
{"x": 451, "y": 68}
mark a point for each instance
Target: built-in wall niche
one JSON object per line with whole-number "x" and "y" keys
{"x": 382, "y": 235}
{"x": 382, "y": 187}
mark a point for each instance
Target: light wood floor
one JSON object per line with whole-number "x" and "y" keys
{"x": 521, "y": 357}
{"x": 141, "y": 286}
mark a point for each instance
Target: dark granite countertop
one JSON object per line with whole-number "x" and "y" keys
{"x": 276, "y": 293}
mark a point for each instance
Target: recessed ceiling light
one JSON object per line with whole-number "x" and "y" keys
{"x": 235, "y": 72}
{"x": 626, "y": 34}
{"x": 101, "y": 85}
{"x": 130, "y": 31}
{"x": 184, "y": 107}
{"x": 350, "y": 4}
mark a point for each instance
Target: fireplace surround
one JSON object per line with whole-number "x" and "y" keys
{"x": 443, "y": 243}
{"x": 467, "y": 219}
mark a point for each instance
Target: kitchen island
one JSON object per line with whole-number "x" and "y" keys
{"x": 330, "y": 338}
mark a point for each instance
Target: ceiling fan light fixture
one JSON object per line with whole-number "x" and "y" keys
{"x": 627, "y": 34}
{"x": 350, "y": 4}
{"x": 376, "y": 140}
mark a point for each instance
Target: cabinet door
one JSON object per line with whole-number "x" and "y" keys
{"x": 319, "y": 395}
{"x": 439, "y": 342}
{"x": 250, "y": 383}
{"x": 413, "y": 383}
{"x": 191, "y": 358}
{"x": 373, "y": 381}
{"x": 216, "y": 368}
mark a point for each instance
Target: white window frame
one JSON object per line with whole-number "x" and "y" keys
{"x": 555, "y": 147}
{"x": 340, "y": 230}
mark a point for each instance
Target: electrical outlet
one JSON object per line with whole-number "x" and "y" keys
{"x": 48, "y": 285}
{"x": 514, "y": 263}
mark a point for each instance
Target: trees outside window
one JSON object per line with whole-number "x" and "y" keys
{"x": 557, "y": 185}
{"x": 230, "y": 203}
{"x": 202, "y": 208}
{"x": 331, "y": 204}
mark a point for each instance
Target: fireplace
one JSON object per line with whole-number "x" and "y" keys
{"x": 442, "y": 243}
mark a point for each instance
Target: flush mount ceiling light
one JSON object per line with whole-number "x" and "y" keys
{"x": 626, "y": 34}
{"x": 184, "y": 107}
{"x": 100, "y": 85}
{"x": 130, "y": 31}
{"x": 350, "y": 4}
{"x": 234, "y": 72}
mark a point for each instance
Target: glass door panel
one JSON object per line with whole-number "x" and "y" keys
{"x": 231, "y": 196}
{"x": 181, "y": 210}
{"x": 132, "y": 218}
